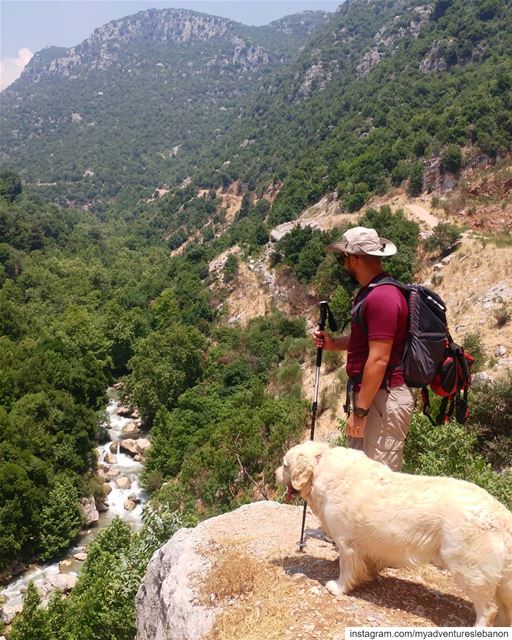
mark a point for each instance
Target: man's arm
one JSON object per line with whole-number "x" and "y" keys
{"x": 374, "y": 370}
{"x": 373, "y": 375}
{"x": 324, "y": 340}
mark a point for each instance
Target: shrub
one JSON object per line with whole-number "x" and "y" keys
{"x": 230, "y": 267}
{"x": 451, "y": 450}
{"x": 415, "y": 185}
{"x": 473, "y": 344}
{"x": 502, "y": 314}
{"x": 451, "y": 159}
{"x": 443, "y": 238}
{"x": 491, "y": 420}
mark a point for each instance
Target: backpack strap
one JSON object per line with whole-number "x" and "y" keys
{"x": 356, "y": 312}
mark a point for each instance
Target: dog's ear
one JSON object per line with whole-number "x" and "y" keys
{"x": 302, "y": 471}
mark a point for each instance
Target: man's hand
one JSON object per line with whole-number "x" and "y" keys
{"x": 323, "y": 340}
{"x": 356, "y": 426}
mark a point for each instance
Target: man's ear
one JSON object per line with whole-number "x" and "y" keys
{"x": 302, "y": 471}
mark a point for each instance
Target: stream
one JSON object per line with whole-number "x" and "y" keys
{"x": 63, "y": 573}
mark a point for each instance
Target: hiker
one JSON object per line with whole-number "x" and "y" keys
{"x": 379, "y": 402}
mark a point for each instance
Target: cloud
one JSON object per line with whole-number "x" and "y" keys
{"x": 11, "y": 68}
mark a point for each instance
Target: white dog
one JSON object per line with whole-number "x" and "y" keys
{"x": 379, "y": 518}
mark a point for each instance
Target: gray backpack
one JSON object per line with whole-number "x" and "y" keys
{"x": 427, "y": 330}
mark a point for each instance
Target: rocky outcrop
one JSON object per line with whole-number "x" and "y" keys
{"x": 107, "y": 45}
{"x": 242, "y": 569}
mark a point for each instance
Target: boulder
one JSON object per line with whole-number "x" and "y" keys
{"x": 89, "y": 511}
{"x": 63, "y": 581}
{"x": 8, "y": 612}
{"x": 191, "y": 591}
{"x": 500, "y": 351}
{"x": 113, "y": 473}
{"x": 106, "y": 488}
{"x": 129, "y": 505}
{"x": 123, "y": 482}
{"x": 129, "y": 445}
{"x": 110, "y": 458}
{"x": 131, "y": 427}
{"x": 114, "y": 447}
{"x": 143, "y": 445}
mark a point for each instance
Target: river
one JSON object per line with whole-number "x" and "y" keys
{"x": 45, "y": 575}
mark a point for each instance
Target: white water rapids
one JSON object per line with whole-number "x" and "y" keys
{"x": 12, "y": 594}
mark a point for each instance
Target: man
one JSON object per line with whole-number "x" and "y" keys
{"x": 382, "y": 404}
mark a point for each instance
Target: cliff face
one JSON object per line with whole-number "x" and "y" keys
{"x": 240, "y": 575}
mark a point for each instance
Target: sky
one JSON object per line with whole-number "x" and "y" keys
{"x": 28, "y": 26}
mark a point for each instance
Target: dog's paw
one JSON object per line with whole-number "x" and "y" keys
{"x": 334, "y": 587}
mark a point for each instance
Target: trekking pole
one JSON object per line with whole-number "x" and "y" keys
{"x": 325, "y": 313}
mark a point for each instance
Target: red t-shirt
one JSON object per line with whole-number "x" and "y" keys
{"x": 385, "y": 314}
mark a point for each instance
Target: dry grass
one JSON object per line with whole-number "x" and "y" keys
{"x": 256, "y": 601}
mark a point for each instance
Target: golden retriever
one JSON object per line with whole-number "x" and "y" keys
{"x": 380, "y": 518}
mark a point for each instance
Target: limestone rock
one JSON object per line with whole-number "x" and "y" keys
{"x": 129, "y": 445}
{"x": 89, "y": 511}
{"x": 500, "y": 351}
{"x": 172, "y": 604}
{"x": 123, "y": 482}
{"x": 63, "y": 581}
{"x": 143, "y": 445}
{"x": 110, "y": 458}
{"x": 129, "y": 505}
{"x": 131, "y": 427}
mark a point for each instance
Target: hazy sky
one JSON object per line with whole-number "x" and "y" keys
{"x": 29, "y": 25}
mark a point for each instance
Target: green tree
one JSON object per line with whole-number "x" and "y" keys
{"x": 61, "y": 519}
{"x": 165, "y": 364}
{"x": 10, "y": 184}
{"x": 32, "y": 623}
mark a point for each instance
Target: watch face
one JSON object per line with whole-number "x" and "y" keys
{"x": 361, "y": 413}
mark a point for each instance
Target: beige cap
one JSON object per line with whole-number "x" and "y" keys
{"x": 363, "y": 241}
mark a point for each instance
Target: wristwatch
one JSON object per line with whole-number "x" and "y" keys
{"x": 360, "y": 412}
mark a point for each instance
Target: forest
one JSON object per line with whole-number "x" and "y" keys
{"x": 101, "y": 283}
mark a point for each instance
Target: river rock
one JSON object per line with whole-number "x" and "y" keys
{"x": 106, "y": 488}
{"x": 130, "y": 445}
{"x": 143, "y": 445}
{"x": 127, "y": 412}
{"x": 114, "y": 447}
{"x": 65, "y": 564}
{"x": 129, "y": 505}
{"x": 131, "y": 427}
{"x": 81, "y": 556}
{"x": 113, "y": 473}
{"x": 123, "y": 482}
{"x": 137, "y": 457}
{"x": 134, "y": 498}
{"x": 63, "y": 581}
{"x": 103, "y": 506}
{"x": 7, "y": 612}
{"x": 89, "y": 511}
{"x": 110, "y": 458}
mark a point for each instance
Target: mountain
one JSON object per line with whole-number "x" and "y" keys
{"x": 358, "y": 101}
{"x": 136, "y": 94}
